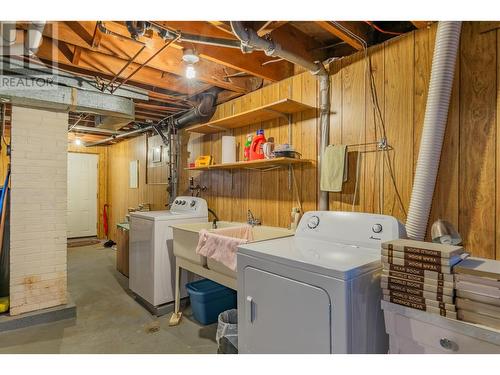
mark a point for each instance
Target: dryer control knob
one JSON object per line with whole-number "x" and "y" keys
{"x": 377, "y": 228}
{"x": 183, "y": 202}
{"x": 313, "y": 222}
{"x": 192, "y": 204}
{"x": 176, "y": 201}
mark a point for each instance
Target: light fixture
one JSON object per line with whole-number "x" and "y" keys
{"x": 190, "y": 57}
{"x": 190, "y": 72}
{"x": 78, "y": 142}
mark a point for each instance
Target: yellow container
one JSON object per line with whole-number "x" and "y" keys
{"x": 4, "y": 304}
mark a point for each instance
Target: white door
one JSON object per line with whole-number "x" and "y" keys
{"x": 283, "y": 315}
{"x": 82, "y": 195}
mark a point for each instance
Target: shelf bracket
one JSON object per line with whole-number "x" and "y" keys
{"x": 280, "y": 114}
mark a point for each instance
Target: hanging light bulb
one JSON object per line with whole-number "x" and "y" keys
{"x": 190, "y": 57}
{"x": 78, "y": 142}
{"x": 190, "y": 72}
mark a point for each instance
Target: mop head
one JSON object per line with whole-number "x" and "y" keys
{"x": 109, "y": 243}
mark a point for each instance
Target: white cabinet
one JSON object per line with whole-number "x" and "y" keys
{"x": 417, "y": 332}
{"x": 284, "y": 315}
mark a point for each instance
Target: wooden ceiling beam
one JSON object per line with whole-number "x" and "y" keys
{"x": 76, "y": 55}
{"x": 230, "y": 57}
{"x": 421, "y": 24}
{"x": 269, "y": 26}
{"x": 223, "y": 26}
{"x": 169, "y": 61}
{"x": 100, "y": 64}
{"x": 150, "y": 114}
{"x": 294, "y": 40}
{"x": 340, "y": 33}
{"x": 157, "y": 107}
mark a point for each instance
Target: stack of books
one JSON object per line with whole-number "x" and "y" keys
{"x": 477, "y": 283}
{"x": 419, "y": 275}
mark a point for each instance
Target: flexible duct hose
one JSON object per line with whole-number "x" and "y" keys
{"x": 436, "y": 115}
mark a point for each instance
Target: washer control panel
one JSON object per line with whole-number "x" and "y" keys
{"x": 189, "y": 204}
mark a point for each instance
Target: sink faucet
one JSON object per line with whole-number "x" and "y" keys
{"x": 216, "y": 219}
{"x": 251, "y": 219}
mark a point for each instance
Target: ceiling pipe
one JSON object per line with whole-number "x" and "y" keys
{"x": 202, "y": 112}
{"x": 250, "y": 41}
{"x": 119, "y": 136}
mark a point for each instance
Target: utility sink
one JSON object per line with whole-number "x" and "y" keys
{"x": 185, "y": 237}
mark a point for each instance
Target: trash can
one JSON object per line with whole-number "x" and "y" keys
{"x": 227, "y": 332}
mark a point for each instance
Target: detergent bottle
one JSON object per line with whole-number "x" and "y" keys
{"x": 256, "y": 151}
{"x": 246, "y": 150}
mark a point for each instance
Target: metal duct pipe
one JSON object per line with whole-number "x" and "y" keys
{"x": 250, "y": 41}
{"x": 32, "y": 38}
{"x": 122, "y": 135}
{"x": 136, "y": 28}
{"x": 436, "y": 115}
{"x": 202, "y": 112}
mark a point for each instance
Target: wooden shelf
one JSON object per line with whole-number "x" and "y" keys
{"x": 252, "y": 116}
{"x": 254, "y": 164}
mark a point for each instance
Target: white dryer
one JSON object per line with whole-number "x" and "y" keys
{"x": 318, "y": 291}
{"x": 152, "y": 262}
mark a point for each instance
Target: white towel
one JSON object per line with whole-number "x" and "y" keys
{"x": 334, "y": 168}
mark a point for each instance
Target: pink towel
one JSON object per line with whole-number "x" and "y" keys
{"x": 221, "y": 244}
{"x": 244, "y": 231}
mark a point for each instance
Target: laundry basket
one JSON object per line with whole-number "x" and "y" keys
{"x": 227, "y": 332}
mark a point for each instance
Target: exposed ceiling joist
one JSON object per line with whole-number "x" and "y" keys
{"x": 157, "y": 107}
{"x": 269, "y": 26}
{"x": 296, "y": 41}
{"x": 101, "y": 64}
{"x": 421, "y": 24}
{"x": 231, "y": 57}
{"x": 339, "y": 30}
{"x": 169, "y": 61}
{"x": 76, "y": 55}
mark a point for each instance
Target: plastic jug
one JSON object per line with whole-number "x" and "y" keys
{"x": 256, "y": 151}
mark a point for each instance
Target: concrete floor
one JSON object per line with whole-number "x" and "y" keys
{"x": 108, "y": 319}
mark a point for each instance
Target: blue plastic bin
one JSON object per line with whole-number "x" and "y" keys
{"x": 209, "y": 299}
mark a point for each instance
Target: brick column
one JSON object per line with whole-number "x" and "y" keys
{"x": 38, "y": 277}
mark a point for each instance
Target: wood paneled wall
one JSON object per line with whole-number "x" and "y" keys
{"x": 266, "y": 193}
{"x": 4, "y": 159}
{"x": 102, "y": 180}
{"x": 120, "y": 196}
{"x": 466, "y": 191}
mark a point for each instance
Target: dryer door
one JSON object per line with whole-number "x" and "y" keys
{"x": 283, "y": 315}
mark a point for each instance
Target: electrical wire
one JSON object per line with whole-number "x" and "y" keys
{"x": 381, "y": 124}
{"x": 382, "y": 30}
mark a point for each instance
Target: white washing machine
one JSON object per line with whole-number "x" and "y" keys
{"x": 318, "y": 291}
{"x": 152, "y": 262}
